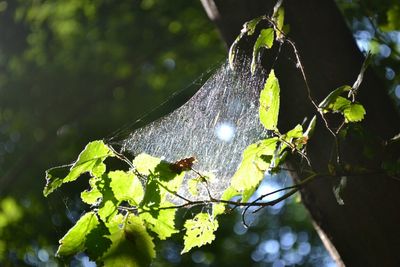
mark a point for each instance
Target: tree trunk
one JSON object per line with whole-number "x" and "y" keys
{"x": 364, "y": 231}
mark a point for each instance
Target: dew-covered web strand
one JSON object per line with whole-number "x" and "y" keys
{"x": 214, "y": 126}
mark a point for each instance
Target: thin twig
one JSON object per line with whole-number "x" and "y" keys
{"x": 294, "y": 188}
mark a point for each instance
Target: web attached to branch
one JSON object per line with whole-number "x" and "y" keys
{"x": 214, "y": 127}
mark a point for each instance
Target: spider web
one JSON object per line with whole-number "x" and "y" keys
{"x": 214, "y": 127}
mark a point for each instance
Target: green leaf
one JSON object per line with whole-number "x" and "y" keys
{"x": 311, "y": 126}
{"x": 93, "y": 195}
{"x": 354, "y": 113}
{"x": 155, "y": 168}
{"x": 193, "y": 186}
{"x": 295, "y": 137}
{"x": 146, "y": 164}
{"x": 340, "y": 104}
{"x": 331, "y": 98}
{"x": 74, "y": 240}
{"x": 248, "y": 29}
{"x": 265, "y": 40}
{"x": 160, "y": 221}
{"x": 199, "y": 231}
{"x": 98, "y": 241}
{"x": 278, "y": 18}
{"x": 108, "y": 208}
{"x": 296, "y": 132}
{"x": 126, "y": 187}
{"x": 161, "y": 181}
{"x": 253, "y": 166}
{"x": 228, "y": 194}
{"x": 89, "y": 160}
{"x": 269, "y": 102}
{"x": 132, "y": 246}
{"x": 195, "y": 183}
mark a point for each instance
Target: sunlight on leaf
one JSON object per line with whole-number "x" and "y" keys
{"x": 132, "y": 246}
{"x": 269, "y": 102}
{"x": 354, "y": 113}
{"x": 126, "y": 187}
{"x": 332, "y": 97}
{"x": 264, "y": 40}
{"x": 311, "y": 127}
{"x": 278, "y": 18}
{"x": 74, "y": 240}
{"x": 248, "y": 29}
{"x": 199, "y": 231}
{"x": 160, "y": 221}
{"x": 252, "y": 168}
{"x": 228, "y": 194}
{"x": 90, "y": 160}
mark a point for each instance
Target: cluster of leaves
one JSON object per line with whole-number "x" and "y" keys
{"x": 126, "y": 207}
{"x": 348, "y": 107}
{"x": 130, "y": 208}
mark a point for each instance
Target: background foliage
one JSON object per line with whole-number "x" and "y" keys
{"x": 74, "y": 71}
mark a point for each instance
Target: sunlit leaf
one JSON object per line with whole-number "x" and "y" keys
{"x": 311, "y": 127}
{"x": 199, "y": 231}
{"x": 269, "y": 102}
{"x": 89, "y": 160}
{"x": 74, "y": 240}
{"x": 279, "y": 17}
{"x": 295, "y": 137}
{"x": 248, "y": 29}
{"x": 265, "y": 40}
{"x": 332, "y": 97}
{"x": 160, "y": 171}
{"x": 250, "y": 26}
{"x": 340, "y": 104}
{"x": 108, "y": 208}
{"x": 228, "y": 194}
{"x": 251, "y": 169}
{"x": 146, "y": 164}
{"x": 193, "y": 185}
{"x": 160, "y": 221}
{"x": 132, "y": 246}
{"x": 354, "y": 113}
{"x": 98, "y": 241}
{"x": 296, "y": 132}
{"x": 93, "y": 195}
{"x": 126, "y": 187}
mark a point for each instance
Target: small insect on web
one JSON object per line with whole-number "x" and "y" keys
{"x": 183, "y": 165}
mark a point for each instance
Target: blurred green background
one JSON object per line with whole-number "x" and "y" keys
{"x": 72, "y": 71}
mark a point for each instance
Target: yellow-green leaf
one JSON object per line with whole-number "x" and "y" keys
{"x": 332, "y": 97}
{"x": 132, "y": 246}
{"x": 160, "y": 221}
{"x": 269, "y": 102}
{"x": 74, "y": 240}
{"x": 255, "y": 161}
{"x": 89, "y": 160}
{"x": 265, "y": 40}
{"x": 199, "y": 231}
{"x": 248, "y": 29}
{"x": 278, "y": 18}
{"x": 354, "y": 113}
{"x": 126, "y": 187}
